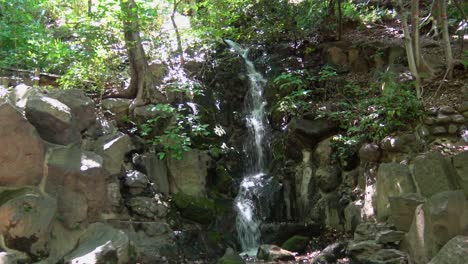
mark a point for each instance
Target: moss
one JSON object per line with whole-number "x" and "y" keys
{"x": 198, "y": 209}
{"x": 296, "y": 243}
{"x": 224, "y": 180}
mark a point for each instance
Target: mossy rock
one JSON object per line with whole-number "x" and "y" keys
{"x": 198, "y": 209}
{"x": 224, "y": 180}
{"x": 231, "y": 257}
{"x": 296, "y": 243}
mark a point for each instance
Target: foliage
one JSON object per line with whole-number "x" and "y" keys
{"x": 177, "y": 137}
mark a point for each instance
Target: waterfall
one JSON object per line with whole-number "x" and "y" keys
{"x": 255, "y": 181}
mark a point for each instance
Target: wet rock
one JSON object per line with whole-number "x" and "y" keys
{"x": 22, "y": 150}
{"x": 454, "y": 252}
{"x": 442, "y": 217}
{"x": 100, "y": 244}
{"x": 402, "y": 210}
{"x": 432, "y": 173}
{"x": 296, "y": 243}
{"x": 370, "y": 153}
{"x": 274, "y": 253}
{"x": 393, "y": 179}
{"x": 52, "y": 119}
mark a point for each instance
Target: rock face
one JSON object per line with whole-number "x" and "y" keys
{"x": 392, "y": 180}
{"x": 22, "y": 150}
{"x": 432, "y": 174}
{"x": 402, "y": 210}
{"x": 231, "y": 257}
{"x": 460, "y": 162}
{"x": 454, "y": 252}
{"x": 189, "y": 174}
{"x": 52, "y": 119}
{"x": 308, "y": 133}
{"x": 441, "y": 218}
{"x": 113, "y": 149}
{"x": 26, "y": 216}
{"x": 274, "y": 253}
{"x": 100, "y": 244}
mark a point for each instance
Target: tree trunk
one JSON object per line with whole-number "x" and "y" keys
{"x": 409, "y": 48}
{"x": 446, "y": 38}
{"x": 180, "y": 50}
{"x": 415, "y": 32}
{"x": 90, "y": 7}
{"x": 340, "y": 21}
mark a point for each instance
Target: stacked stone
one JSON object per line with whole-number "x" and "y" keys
{"x": 446, "y": 120}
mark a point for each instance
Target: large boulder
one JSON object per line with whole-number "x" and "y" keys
{"x": 402, "y": 210}
{"x": 393, "y": 179}
{"x": 100, "y": 244}
{"x": 119, "y": 107}
{"x": 113, "y": 149}
{"x": 52, "y": 119}
{"x": 22, "y": 150}
{"x": 82, "y": 107}
{"x": 296, "y": 243}
{"x": 460, "y": 162}
{"x": 189, "y": 175}
{"x": 433, "y": 173}
{"x": 20, "y": 94}
{"x": 25, "y": 219}
{"x": 230, "y": 257}
{"x": 328, "y": 178}
{"x": 442, "y": 217}
{"x": 306, "y": 133}
{"x": 454, "y": 252}
{"x": 274, "y": 253}
{"x": 198, "y": 209}
{"x": 79, "y": 181}
{"x": 156, "y": 170}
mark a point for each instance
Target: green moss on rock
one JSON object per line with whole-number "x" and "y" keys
{"x": 296, "y": 243}
{"x": 198, "y": 209}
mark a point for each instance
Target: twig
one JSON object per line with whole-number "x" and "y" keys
{"x": 442, "y": 83}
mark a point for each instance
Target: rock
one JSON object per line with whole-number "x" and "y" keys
{"x": 432, "y": 111}
{"x": 113, "y": 149}
{"x": 353, "y": 217}
{"x": 136, "y": 181}
{"x": 423, "y": 131}
{"x": 156, "y": 170}
{"x": 82, "y": 107}
{"x": 280, "y": 232}
{"x": 323, "y": 152}
{"x": 459, "y": 119}
{"x": 370, "y": 153}
{"x": 442, "y": 119}
{"x": 155, "y": 229}
{"x": 224, "y": 182}
{"x": 368, "y": 231}
{"x": 402, "y": 210}
{"x": 117, "y": 106}
{"x": 439, "y": 130}
{"x": 189, "y": 175}
{"x": 463, "y": 107}
{"x": 79, "y": 181}
{"x": 296, "y": 243}
{"x": 100, "y": 244}
{"x": 328, "y": 178}
{"x": 274, "y": 253}
{"x": 306, "y": 133}
{"x": 389, "y": 237}
{"x": 460, "y": 162}
{"x": 230, "y": 257}
{"x": 465, "y": 114}
{"x": 336, "y": 56}
{"x": 454, "y": 252}
{"x": 404, "y": 143}
{"x": 13, "y": 258}
{"x": 113, "y": 194}
{"x": 432, "y": 174}
{"x": 52, "y": 119}
{"x": 333, "y": 211}
{"x": 25, "y": 219}
{"x": 452, "y": 129}
{"x": 333, "y": 252}
{"x": 442, "y": 217}
{"x": 386, "y": 256}
{"x": 148, "y": 207}
{"x": 22, "y": 150}
{"x": 446, "y": 110}
{"x": 359, "y": 251}
{"x": 20, "y": 94}
{"x": 429, "y": 121}
{"x": 198, "y": 209}
{"x": 393, "y": 179}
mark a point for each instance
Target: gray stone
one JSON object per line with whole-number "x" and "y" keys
{"x": 424, "y": 131}
{"x": 452, "y": 129}
{"x": 148, "y": 207}
{"x": 368, "y": 231}
{"x": 459, "y": 119}
{"x": 361, "y": 248}
{"x": 274, "y": 253}
{"x": 389, "y": 237}
{"x": 22, "y": 150}
{"x": 323, "y": 152}
{"x": 100, "y": 244}
{"x": 433, "y": 111}
{"x": 402, "y": 210}
{"x": 454, "y": 252}
{"x": 392, "y": 180}
{"x": 463, "y": 107}
{"x": 117, "y": 106}
{"x": 306, "y": 133}
{"x": 429, "y": 121}
{"x": 442, "y": 119}
{"x": 136, "y": 179}
{"x": 113, "y": 149}
{"x": 353, "y": 217}
{"x": 189, "y": 175}
{"x": 387, "y": 256}
{"x": 328, "y": 178}
{"x": 432, "y": 174}
{"x": 26, "y": 215}
{"x": 332, "y": 211}
{"x": 445, "y": 109}
{"x": 156, "y": 170}
{"x": 442, "y": 217}
{"x": 460, "y": 162}
{"x": 404, "y": 143}
{"x": 154, "y": 229}
{"x": 52, "y": 119}
{"x": 20, "y": 94}
{"x": 370, "y": 153}
{"x": 439, "y": 130}
{"x": 230, "y": 257}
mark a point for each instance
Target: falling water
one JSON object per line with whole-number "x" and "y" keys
{"x": 248, "y": 214}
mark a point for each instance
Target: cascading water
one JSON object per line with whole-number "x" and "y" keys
{"x": 249, "y": 215}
